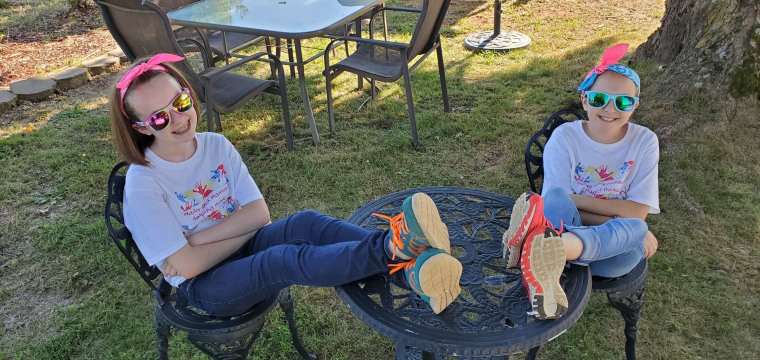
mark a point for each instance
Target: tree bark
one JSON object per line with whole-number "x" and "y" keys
{"x": 710, "y": 45}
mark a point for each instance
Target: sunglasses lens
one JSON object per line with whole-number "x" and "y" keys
{"x": 597, "y": 99}
{"x": 159, "y": 120}
{"x": 183, "y": 102}
{"x": 625, "y": 103}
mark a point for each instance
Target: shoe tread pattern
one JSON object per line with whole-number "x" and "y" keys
{"x": 439, "y": 279}
{"x": 547, "y": 261}
{"x": 517, "y": 227}
{"x": 429, "y": 220}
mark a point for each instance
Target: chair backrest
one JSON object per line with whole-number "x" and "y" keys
{"x": 114, "y": 216}
{"x": 169, "y": 5}
{"x": 534, "y": 151}
{"x": 141, "y": 28}
{"x": 428, "y": 27}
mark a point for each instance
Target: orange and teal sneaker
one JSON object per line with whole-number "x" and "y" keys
{"x": 526, "y": 221}
{"x": 418, "y": 227}
{"x": 542, "y": 263}
{"x": 434, "y": 275}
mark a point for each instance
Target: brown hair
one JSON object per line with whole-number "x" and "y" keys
{"x": 129, "y": 142}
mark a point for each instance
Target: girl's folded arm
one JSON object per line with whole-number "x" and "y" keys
{"x": 591, "y": 219}
{"x": 246, "y": 220}
{"x": 610, "y": 207}
{"x": 190, "y": 261}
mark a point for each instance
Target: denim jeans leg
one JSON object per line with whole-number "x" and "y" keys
{"x": 617, "y": 265}
{"x": 307, "y": 248}
{"x": 560, "y": 209}
{"x": 611, "y": 249}
{"x": 307, "y": 227}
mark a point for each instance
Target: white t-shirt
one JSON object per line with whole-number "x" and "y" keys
{"x": 624, "y": 170}
{"x": 167, "y": 201}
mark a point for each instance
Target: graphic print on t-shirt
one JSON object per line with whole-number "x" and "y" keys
{"x": 209, "y": 199}
{"x": 601, "y": 182}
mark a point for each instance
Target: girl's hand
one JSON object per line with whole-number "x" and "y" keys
{"x": 650, "y": 245}
{"x": 168, "y": 269}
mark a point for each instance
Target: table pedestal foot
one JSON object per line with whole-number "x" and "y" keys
{"x": 410, "y": 353}
{"x": 505, "y": 40}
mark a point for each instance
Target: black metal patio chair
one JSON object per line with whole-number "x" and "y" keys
{"x": 218, "y": 337}
{"x": 222, "y": 90}
{"x": 625, "y": 293}
{"x": 388, "y": 61}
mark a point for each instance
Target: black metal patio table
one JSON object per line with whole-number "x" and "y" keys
{"x": 285, "y": 19}
{"x": 490, "y": 319}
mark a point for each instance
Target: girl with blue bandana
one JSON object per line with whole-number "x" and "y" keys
{"x": 600, "y": 183}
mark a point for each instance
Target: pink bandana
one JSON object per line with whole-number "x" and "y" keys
{"x": 152, "y": 64}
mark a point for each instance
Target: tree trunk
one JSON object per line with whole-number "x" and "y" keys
{"x": 706, "y": 44}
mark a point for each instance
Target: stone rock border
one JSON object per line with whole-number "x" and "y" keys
{"x": 40, "y": 88}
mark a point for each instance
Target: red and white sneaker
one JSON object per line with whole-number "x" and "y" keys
{"x": 526, "y": 221}
{"x": 542, "y": 263}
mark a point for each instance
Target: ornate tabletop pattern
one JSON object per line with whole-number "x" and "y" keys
{"x": 490, "y": 317}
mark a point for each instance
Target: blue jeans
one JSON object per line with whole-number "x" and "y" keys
{"x": 611, "y": 249}
{"x": 307, "y": 248}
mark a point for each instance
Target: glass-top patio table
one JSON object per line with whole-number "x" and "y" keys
{"x": 286, "y": 19}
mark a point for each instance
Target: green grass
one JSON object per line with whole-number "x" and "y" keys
{"x": 17, "y": 14}
{"x": 67, "y": 293}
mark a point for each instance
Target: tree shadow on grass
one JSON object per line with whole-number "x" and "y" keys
{"x": 50, "y": 25}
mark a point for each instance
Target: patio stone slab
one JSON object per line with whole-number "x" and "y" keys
{"x": 119, "y": 54}
{"x": 101, "y": 64}
{"x": 7, "y": 100}
{"x": 70, "y": 78}
{"x": 34, "y": 89}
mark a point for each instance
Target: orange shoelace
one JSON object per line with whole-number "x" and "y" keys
{"x": 398, "y": 225}
{"x": 406, "y": 265}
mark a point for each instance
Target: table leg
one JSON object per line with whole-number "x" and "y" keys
{"x": 358, "y": 28}
{"x": 289, "y": 46}
{"x": 532, "y": 353}
{"x": 305, "y": 94}
{"x": 226, "y": 53}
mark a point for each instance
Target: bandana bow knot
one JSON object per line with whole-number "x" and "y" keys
{"x": 610, "y": 57}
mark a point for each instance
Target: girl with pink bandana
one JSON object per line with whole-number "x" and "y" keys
{"x": 196, "y": 213}
{"x": 600, "y": 183}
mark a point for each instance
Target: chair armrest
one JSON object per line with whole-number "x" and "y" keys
{"x": 394, "y": 8}
{"x": 201, "y": 49}
{"x": 203, "y": 38}
{"x": 214, "y": 71}
{"x": 377, "y": 11}
{"x": 386, "y": 44}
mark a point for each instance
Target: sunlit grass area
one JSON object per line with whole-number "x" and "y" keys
{"x": 67, "y": 293}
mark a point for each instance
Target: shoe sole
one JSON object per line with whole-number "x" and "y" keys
{"x": 439, "y": 280}
{"x": 518, "y": 228}
{"x": 429, "y": 220}
{"x": 547, "y": 261}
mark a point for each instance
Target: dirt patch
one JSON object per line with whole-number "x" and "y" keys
{"x": 31, "y": 315}
{"x": 53, "y": 42}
